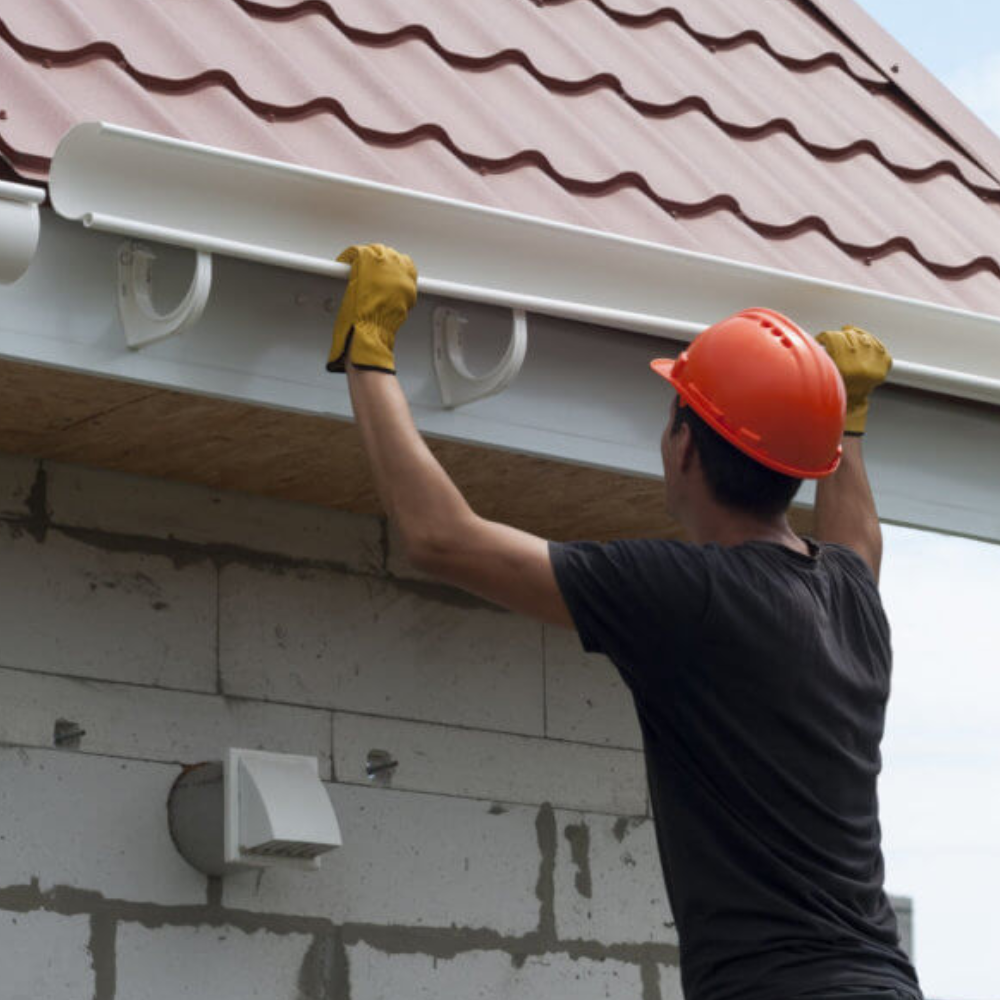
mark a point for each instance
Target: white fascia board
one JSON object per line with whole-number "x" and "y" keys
{"x": 18, "y": 228}
{"x": 175, "y": 192}
{"x": 582, "y": 396}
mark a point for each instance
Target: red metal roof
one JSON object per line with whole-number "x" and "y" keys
{"x": 756, "y": 131}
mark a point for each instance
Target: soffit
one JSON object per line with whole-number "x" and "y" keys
{"x": 746, "y": 130}
{"x": 70, "y": 417}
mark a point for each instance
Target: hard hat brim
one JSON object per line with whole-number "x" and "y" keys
{"x": 663, "y": 367}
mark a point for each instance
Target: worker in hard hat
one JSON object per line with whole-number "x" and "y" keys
{"x": 758, "y": 660}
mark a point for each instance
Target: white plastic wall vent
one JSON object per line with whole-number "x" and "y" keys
{"x": 19, "y": 227}
{"x": 152, "y": 187}
{"x": 277, "y": 810}
{"x": 254, "y": 809}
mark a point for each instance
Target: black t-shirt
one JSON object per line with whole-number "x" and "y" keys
{"x": 760, "y": 676}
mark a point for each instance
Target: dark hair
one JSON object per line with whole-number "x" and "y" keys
{"x": 735, "y": 479}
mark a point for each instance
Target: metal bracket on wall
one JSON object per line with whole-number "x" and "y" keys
{"x": 457, "y": 383}
{"x": 143, "y": 324}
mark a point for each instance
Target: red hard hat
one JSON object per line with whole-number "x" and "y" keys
{"x": 768, "y": 388}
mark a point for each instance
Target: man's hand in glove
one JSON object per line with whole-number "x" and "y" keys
{"x": 381, "y": 291}
{"x": 863, "y": 363}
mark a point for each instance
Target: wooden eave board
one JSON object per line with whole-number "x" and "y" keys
{"x": 76, "y": 418}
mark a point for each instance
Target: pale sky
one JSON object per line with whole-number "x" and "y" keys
{"x": 959, "y": 42}
{"x": 940, "y": 787}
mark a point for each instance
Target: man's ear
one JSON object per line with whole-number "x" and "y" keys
{"x": 684, "y": 443}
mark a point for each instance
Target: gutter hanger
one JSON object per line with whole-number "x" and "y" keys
{"x": 152, "y": 187}
{"x": 19, "y": 227}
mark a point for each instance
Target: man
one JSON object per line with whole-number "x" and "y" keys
{"x": 759, "y": 661}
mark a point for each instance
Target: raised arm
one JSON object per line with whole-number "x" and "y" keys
{"x": 441, "y": 533}
{"x": 845, "y": 507}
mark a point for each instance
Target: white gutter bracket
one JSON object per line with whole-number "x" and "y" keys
{"x": 457, "y": 383}
{"x": 143, "y": 324}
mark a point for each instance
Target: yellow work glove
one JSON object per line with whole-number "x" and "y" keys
{"x": 863, "y": 363}
{"x": 380, "y": 292}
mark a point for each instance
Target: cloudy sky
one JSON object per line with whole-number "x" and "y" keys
{"x": 941, "y": 784}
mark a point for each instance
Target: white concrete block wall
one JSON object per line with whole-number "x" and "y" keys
{"x": 373, "y": 645}
{"x": 486, "y": 765}
{"x": 509, "y": 854}
{"x": 608, "y": 883}
{"x": 73, "y": 608}
{"x": 586, "y": 699}
{"x": 137, "y": 722}
{"x": 96, "y": 501}
{"x": 75, "y": 824}
{"x": 62, "y": 972}
{"x": 419, "y": 861}
{"x": 376, "y": 975}
{"x": 216, "y": 963}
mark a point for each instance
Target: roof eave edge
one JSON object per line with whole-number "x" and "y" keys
{"x": 903, "y": 69}
{"x": 217, "y": 201}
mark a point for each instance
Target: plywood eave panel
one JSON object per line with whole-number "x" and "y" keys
{"x": 77, "y": 418}
{"x": 243, "y": 401}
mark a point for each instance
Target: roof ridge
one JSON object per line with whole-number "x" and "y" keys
{"x": 612, "y": 82}
{"x": 953, "y": 119}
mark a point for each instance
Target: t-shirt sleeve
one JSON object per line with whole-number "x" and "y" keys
{"x": 632, "y": 600}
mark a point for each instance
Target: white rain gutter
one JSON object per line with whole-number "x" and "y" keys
{"x": 152, "y": 187}
{"x": 19, "y": 228}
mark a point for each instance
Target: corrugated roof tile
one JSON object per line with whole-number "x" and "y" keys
{"x": 661, "y": 70}
{"x": 757, "y": 131}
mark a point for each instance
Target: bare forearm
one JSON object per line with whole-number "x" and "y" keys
{"x": 415, "y": 490}
{"x": 845, "y": 507}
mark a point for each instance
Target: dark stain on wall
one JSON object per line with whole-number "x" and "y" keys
{"x": 578, "y": 836}
{"x": 37, "y": 522}
{"x": 103, "y": 947}
{"x": 317, "y": 974}
{"x": 545, "y": 887}
{"x": 325, "y": 970}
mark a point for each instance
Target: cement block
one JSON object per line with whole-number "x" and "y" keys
{"x": 903, "y": 905}
{"x": 209, "y": 963}
{"x": 415, "y": 860}
{"x": 17, "y": 475}
{"x": 608, "y": 882}
{"x": 585, "y": 698}
{"x": 670, "y": 983}
{"x": 91, "y": 823}
{"x": 122, "y": 720}
{"x": 52, "y": 959}
{"x": 374, "y": 645}
{"x": 495, "y": 766}
{"x": 71, "y": 608}
{"x": 376, "y": 975}
{"x": 138, "y": 505}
